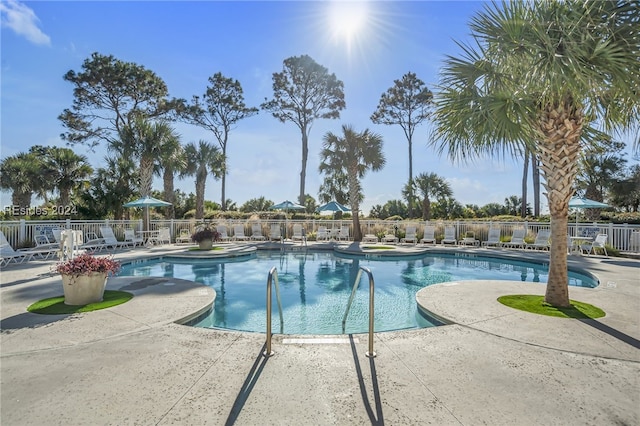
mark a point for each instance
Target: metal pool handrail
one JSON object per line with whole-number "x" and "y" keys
{"x": 273, "y": 276}
{"x": 370, "y": 353}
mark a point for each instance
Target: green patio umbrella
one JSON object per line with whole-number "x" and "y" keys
{"x": 146, "y": 202}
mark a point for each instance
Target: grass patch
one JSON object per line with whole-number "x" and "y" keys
{"x": 56, "y": 306}
{"x": 537, "y": 305}
{"x": 378, "y": 247}
{"x": 211, "y": 249}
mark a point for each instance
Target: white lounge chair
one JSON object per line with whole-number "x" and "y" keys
{"x": 410, "y": 235}
{"x": 390, "y": 237}
{"x": 162, "y": 237}
{"x": 429, "y": 236}
{"x": 469, "y": 239}
{"x": 343, "y": 234}
{"x": 256, "y": 232}
{"x": 184, "y": 236}
{"x": 598, "y": 243}
{"x": 298, "y": 234}
{"x": 275, "y": 234}
{"x": 493, "y": 239}
{"x": 449, "y": 236}
{"x": 542, "y": 240}
{"x": 222, "y": 230}
{"x": 517, "y": 239}
{"x": 370, "y": 238}
{"x": 322, "y": 234}
{"x": 110, "y": 240}
{"x": 8, "y": 254}
{"x": 238, "y": 233}
{"x": 132, "y": 239}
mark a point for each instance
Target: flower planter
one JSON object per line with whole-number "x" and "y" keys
{"x": 205, "y": 244}
{"x": 84, "y": 289}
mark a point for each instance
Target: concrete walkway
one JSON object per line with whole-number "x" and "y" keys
{"x": 132, "y": 365}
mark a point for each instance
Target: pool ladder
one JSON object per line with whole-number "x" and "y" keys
{"x": 273, "y": 277}
{"x": 370, "y": 353}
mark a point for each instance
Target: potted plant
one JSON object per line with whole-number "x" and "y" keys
{"x": 205, "y": 236}
{"x": 84, "y": 278}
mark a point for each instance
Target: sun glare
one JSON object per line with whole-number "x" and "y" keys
{"x": 347, "y": 20}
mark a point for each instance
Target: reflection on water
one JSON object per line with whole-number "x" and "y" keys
{"x": 315, "y": 287}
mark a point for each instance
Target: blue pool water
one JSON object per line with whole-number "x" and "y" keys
{"x": 315, "y": 287}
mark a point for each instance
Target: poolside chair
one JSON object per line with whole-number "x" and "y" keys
{"x": 493, "y": 239}
{"x": 429, "y": 236}
{"x": 222, "y": 230}
{"x": 163, "y": 236}
{"x": 322, "y": 234}
{"x": 370, "y": 238}
{"x": 110, "y": 240}
{"x": 8, "y": 254}
{"x": 390, "y": 237}
{"x": 469, "y": 239}
{"x": 517, "y": 239}
{"x": 410, "y": 235}
{"x": 238, "y": 233}
{"x": 132, "y": 239}
{"x": 184, "y": 236}
{"x": 298, "y": 233}
{"x": 343, "y": 234}
{"x": 275, "y": 234}
{"x": 449, "y": 236}
{"x": 542, "y": 240}
{"x": 598, "y": 243}
{"x": 256, "y": 232}
{"x": 43, "y": 242}
{"x": 44, "y": 248}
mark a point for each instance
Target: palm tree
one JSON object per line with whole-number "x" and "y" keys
{"x": 353, "y": 154}
{"x": 538, "y": 75}
{"x": 200, "y": 160}
{"x": 172, "y": 162}
{"x": 145, "y": 140}
{"x": 20, "y": 174}
{"x": 431, "y": 186}
{"x": 67, "y": 171}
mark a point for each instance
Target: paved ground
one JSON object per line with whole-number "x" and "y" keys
{"x": 132, "y": 365}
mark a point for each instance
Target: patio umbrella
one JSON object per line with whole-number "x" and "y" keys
{"x": 584, "y": 203}
{"x": 333, "y": 207}
{"x": 147, "y": 202}
{"x": 286, "y": 206}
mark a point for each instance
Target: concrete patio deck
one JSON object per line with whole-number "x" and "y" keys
{"x": 133, "y": 365}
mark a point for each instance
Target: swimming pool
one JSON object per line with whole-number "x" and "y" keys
{"x": 315, "y": 287}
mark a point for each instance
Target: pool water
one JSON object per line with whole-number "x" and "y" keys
{"x": 315, "y": 287}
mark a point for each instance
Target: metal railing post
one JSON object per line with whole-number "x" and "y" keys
{"x": 273, "y": 275}
{"x": 370, "y": 353}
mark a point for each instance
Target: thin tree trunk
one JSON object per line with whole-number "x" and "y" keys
{"x": 410, "y": 212}
{"x": 200, "y": 186}
{"x": 525, "y": 174}
{"x": 169, "y": 194}
{"x": 535, "y": 173}
{"x": 223, "y": 179}
{"x": 303, "y": 171}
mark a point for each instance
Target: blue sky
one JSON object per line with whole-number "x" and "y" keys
{"x": 186, "y": 42}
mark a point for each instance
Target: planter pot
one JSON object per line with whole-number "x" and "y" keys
{"x": 84, "y": 289}
{"x": 205, "y": 244}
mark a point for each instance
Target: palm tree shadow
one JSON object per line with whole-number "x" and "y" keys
{"x": 612, "y": 332}
{"x": 376, "y": 418}
{"x": 247, "y": 386}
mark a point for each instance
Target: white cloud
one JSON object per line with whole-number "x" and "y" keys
{"x": 23, "y": 21}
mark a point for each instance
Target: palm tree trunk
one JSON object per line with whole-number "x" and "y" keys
{"x": 169, "y": 195}
{"x": 146, "y": 176}
{"x": 525, "y": 174}
{"x": 200, "y": 186}
{"x": 561, "y": 126}
{"x": 354, "y": 190}
{"x": 535, "y": 173}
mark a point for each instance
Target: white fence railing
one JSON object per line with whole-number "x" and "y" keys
{"x": 21, "y": 233}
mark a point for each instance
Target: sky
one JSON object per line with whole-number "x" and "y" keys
{"x": 367, "y": 45}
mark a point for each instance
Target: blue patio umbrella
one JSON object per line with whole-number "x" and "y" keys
{"x": 333, "y": 206}
{"x": 584, "y": 203}
{"x": 147, "y": 202}
{"x": 287, "y": 205}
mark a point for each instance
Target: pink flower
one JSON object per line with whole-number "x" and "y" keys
{"x": 86, "y": 264}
